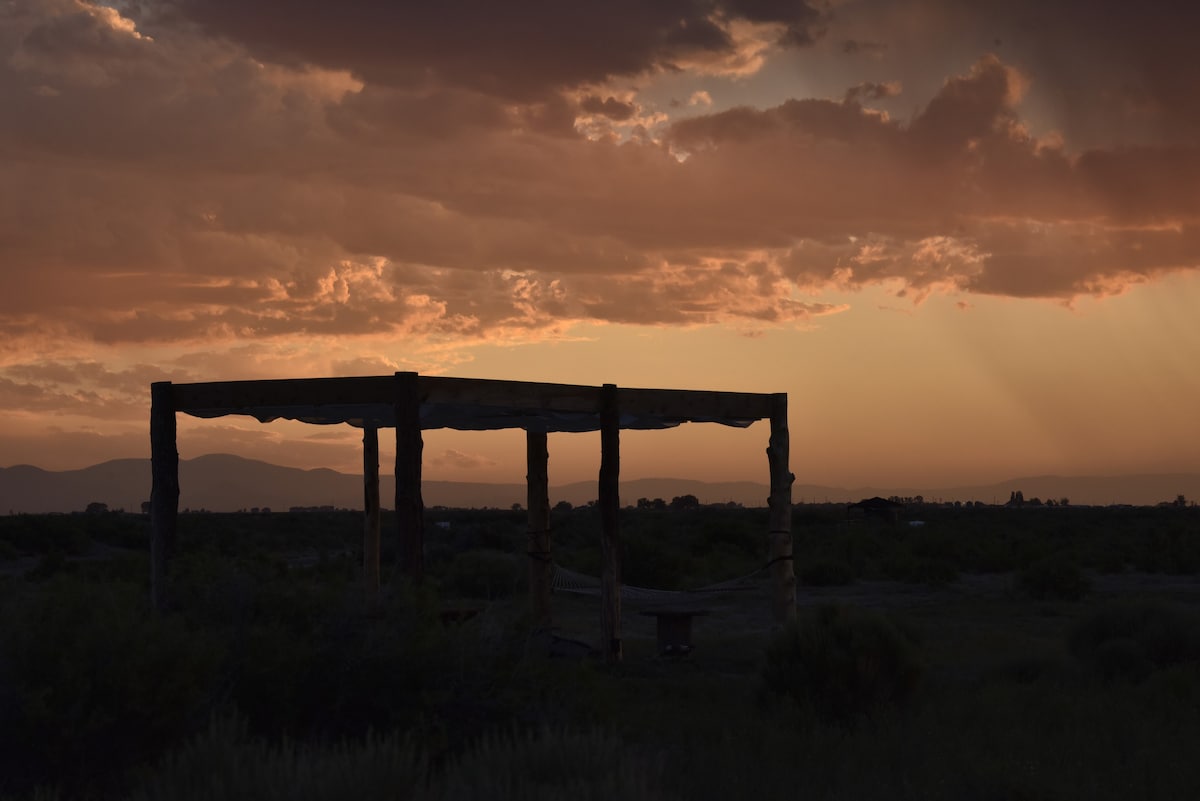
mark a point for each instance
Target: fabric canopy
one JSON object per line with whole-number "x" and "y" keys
{"x": 461, "y": 417}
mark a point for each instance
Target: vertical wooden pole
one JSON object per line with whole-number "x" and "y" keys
{"x": 783, "y": 574}
{"x": 164, "y": 489}
{"x": 371, "y": 516}
{"x": 541, "y": 566}
{"x": 610, "y": 535}
{"x": 410, "y": 509}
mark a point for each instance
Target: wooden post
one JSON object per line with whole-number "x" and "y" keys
{"x": 541, "y": 565}
{"x": 410, "y": 510}
{"x": 371, "y": 517}
{"x": 164, "y": 489}
{"x": 610, "y": 535}
{"x": 783, "y": 574}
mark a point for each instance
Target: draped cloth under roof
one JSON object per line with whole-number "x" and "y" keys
{"x": 465, "y": 404}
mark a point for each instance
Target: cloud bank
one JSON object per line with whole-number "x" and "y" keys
{"x": 249, "y": 184}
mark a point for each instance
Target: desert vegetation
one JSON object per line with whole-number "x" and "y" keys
{"x": 1044, "y": 652}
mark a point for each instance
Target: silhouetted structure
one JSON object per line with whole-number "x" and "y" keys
{"x": 410, "y": 403}
{"x": 877, "y": 507}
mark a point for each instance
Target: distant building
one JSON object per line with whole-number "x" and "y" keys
{"x": 877, "y": 507}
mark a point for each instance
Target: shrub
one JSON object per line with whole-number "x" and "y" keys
{"x": 95, "y": 683}
{"x": 1131, "y": 639}
{"x": 741, "y": 532}
{"x": 483, "y": 574}
{"x": 650, "y": 559}
{"x": 1026, "y": 669}
{"x": 1055, "y": 578}
{"x": 49, "y": 565}
{"x": 225, "y": 762}
{"x": 932, "y": 571}
{"x": 826, "y": 573}
{"x": 334, "y": 672}
{"x": 549, "y": 764}
{"x": 842, "y": 663}
{"x": 8, "y": 551}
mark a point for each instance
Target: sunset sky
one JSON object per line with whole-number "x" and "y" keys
{"x": 964, "y": 237}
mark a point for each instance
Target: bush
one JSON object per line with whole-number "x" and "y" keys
{"x": 932, "y": 571}
{"x": 225, "y": 762}
{"x": 49, "y": 565}
{"x": 1132, "y": 639}
{"x": 1027, "y": 669}
{"x": 94, "y": 683}
{"x": 587, "y": 765}
{"x": 1055, "y": 578}
{"x": 842, "y": 663}
{"x": 8, "y": 551}
{"x": 826, "y": 573}
{"x": 650, "y": 559}
{"x": 483, "y": 574}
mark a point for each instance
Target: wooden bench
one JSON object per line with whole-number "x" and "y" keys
{"x": 674, "y": 629}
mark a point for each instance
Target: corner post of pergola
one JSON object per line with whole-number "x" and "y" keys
{"x": 783, "y": 573}
{"x": 371, "y": 531}
{"x": 164, "y": 489}
{"x": 541, "y": 565}
{"x": 410, "y": 509}
{"x": 610, "y": 534}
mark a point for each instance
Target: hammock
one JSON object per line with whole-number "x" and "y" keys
{"x": 582, "y": 584}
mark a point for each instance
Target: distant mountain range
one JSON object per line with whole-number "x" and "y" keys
{"x": 221, "y": 482}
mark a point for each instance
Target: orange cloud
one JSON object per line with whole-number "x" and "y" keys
{"x": 457, "y": 459}
{"x": 245, "y": 181}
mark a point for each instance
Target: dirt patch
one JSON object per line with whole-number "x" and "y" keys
{"x": 749, "y": 612}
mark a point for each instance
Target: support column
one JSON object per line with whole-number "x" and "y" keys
{"x": 410, "y": 509}
{"x": 541, "y": 566}
{"x": 164, "y": 489}
{"x": 371, "y": 517}
{"x": 610, "y": 535}
{"x": 783, "y": 573}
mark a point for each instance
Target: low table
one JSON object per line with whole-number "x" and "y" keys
{"x": 674, "y": 629}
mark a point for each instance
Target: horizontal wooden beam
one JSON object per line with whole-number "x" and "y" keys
{"x": 694, "y": 404}
{"x": 271, "y": 393}
{"x": 510, "y": 394}
{"x": 667, "y": 404}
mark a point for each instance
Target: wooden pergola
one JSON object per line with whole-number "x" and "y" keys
{"x": 409, "y": 403}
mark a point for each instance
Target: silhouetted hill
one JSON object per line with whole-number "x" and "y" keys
{"x": 221, "y": 482}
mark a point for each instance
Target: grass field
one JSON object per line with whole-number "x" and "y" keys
{"x": 987, "y": 654}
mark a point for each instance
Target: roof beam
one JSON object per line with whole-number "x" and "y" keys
{"x": 233, "y": 397}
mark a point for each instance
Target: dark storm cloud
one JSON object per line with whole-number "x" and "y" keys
{"x": 869, "y": 90}
{"x": 853, "y": 47}
{"x": 803, "y": 22}
{"x": 967, "y": 107}
{"x": 608, "y": 107}
{"x": 1108, "y": 66}
{"x": 520, "y": 50}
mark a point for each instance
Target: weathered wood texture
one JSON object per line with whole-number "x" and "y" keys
{"x": 541, "y": 566}
{"x": 610, "y": 525}
{"x": 510, "y": 394}
{"x": 164, "y": 489}
{"x": 693, "y": 403}
{"x": 275, "y": 393}
{"x": 371, "y": 531}
{"x": 783, "y": 573}
{"x": 283, "y": 392}
{"x": 410, "y": 509}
